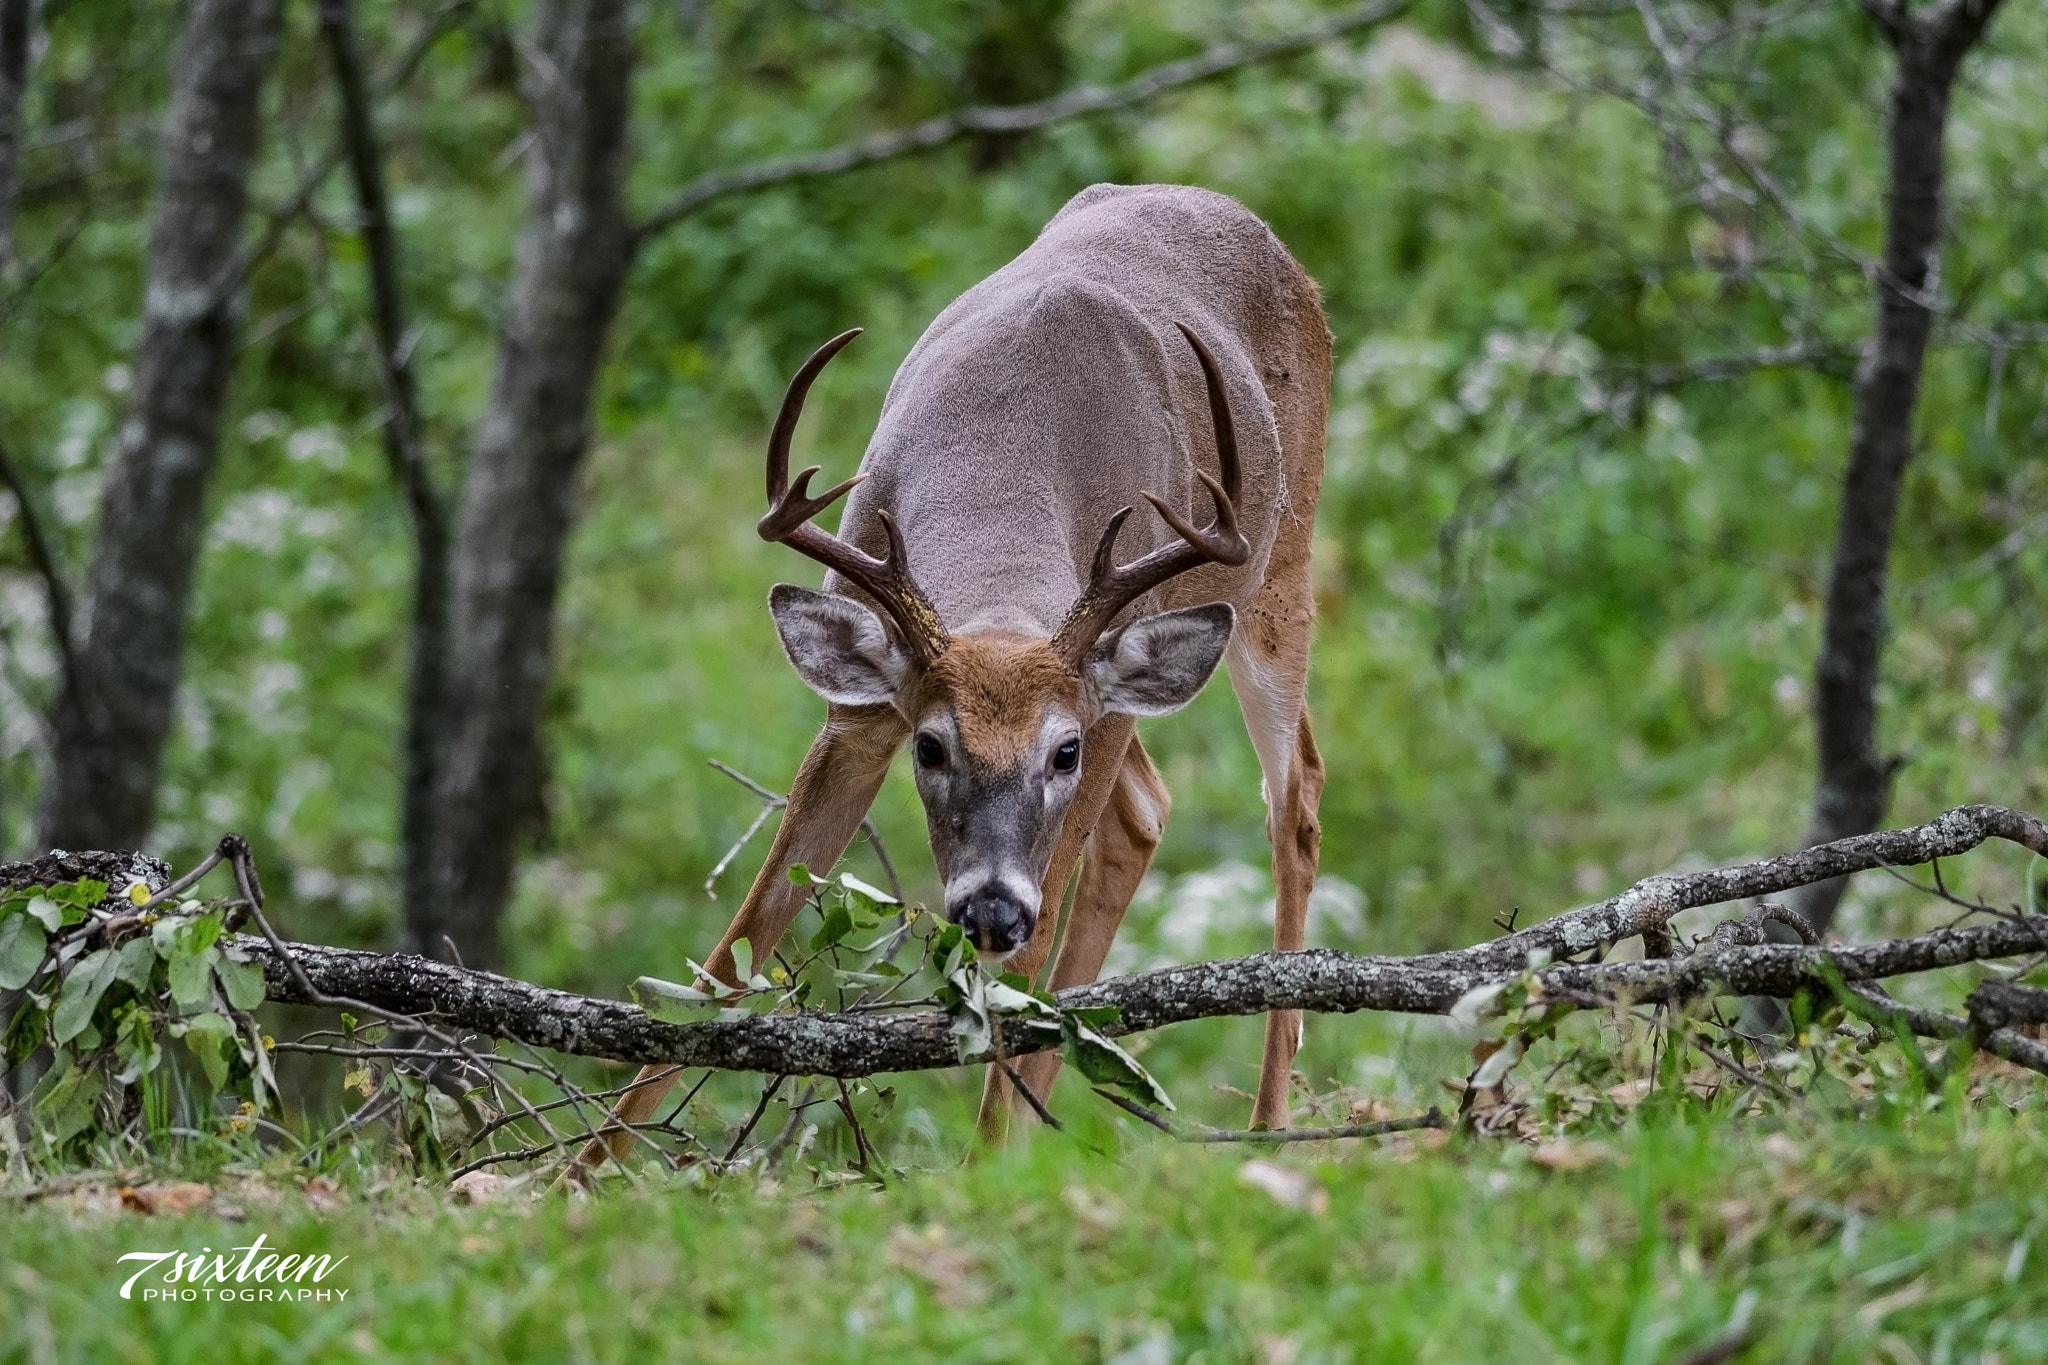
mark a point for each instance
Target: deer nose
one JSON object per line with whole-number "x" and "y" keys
{"x": 995, "y": 921}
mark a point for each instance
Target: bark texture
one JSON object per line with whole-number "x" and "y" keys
{"x": 426, "y": 507}
{"x": 112, "y": 720}
{"x": 847, "y": 1045}
{"x": 519, "y": 496}
{"x": 1855, "y": 777}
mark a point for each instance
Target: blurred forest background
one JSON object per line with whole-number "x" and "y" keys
{"x": 1600, "y": 276}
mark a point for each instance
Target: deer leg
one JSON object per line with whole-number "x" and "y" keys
{"x": 1102, "y": 759}
{"x": 1297, "y": 846}
{"x": 832, "y": 792}
{"x": 1114, "y": 862}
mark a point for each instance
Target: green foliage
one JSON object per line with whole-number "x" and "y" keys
{"x": 108, "y": 981}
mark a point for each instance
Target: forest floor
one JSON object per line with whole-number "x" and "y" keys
{"x": 1673, "y": 1238}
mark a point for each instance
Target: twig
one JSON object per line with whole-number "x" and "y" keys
{"x": 1435, "y": 1118}
{"x": 1037, "y": 1105}
{"x": 747, "y": 1130}
{"x": 773, "y": 801}
{"x": 56, "y": 592}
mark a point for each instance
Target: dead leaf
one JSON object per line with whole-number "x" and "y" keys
{"x": 182, "y": 1197}
{"x": 1372, "y": 1110}
{"x": 1781, "y": 1147}
{"x": 1094, "y": 1210}
{"x": 948, "y": 1269}
{"x": 1630, "y": 1093}
{"x": 324, "y": 1194}
{"x": 478, "y": 1187}
{"x": 1289, "y": 1187}
{"x": 1566, "y": 1155}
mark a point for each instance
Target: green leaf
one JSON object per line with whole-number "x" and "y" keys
{"x": 742, "y": 958}
{"x": 22, "y": 941}
{"x": 1104, "y": 1063}
{"x": 83, "y": 986}
{"x": 672, "y": 1003}
{"x": 45, "y": 910}
{"x": 838, "y": 924}
{"x": 24, "y": 1032}
{"x": 64, "y": 1102}
{"x": 136, "y": 1045}
{"x": 206, "y": 1034}
{"x": 243, "y": 983}
{"x": 866, "y": 891}
{"x": 83, "y": 893}
{"x": 137, "y": 960}
{"x": 191, "y": 974}
{"x": 801, "y": 875}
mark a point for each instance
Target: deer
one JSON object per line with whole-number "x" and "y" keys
{"x": 992, "y": 602}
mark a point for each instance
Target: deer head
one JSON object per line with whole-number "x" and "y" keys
{"x": 998, "y": 718}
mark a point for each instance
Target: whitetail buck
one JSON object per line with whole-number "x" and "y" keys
{"x": 979, "y": 606}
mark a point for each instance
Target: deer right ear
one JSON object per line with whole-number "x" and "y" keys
{"x": 838, "y": 646}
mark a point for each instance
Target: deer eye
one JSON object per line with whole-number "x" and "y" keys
{"x": 1066, "y": 756}
{"x": 930, "y": 753}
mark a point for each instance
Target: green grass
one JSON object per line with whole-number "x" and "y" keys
{"x": 1848, "y": 1241}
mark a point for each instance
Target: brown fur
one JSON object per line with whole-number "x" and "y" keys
{"x": 992, "y": 680}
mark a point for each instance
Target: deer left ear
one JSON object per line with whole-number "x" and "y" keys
{"x": 1156, "y": 664}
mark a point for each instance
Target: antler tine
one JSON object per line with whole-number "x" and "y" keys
{"x": 791, "y": 507}
{"x": 1110, "y": 588}
{"x": 792, "y": 409}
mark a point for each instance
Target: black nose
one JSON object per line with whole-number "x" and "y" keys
{"x": 994, "y": 922}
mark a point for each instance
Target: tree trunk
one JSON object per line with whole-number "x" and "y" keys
{"x": 419, "y": 899}
{"x": 1855, "y": 778}
{"x": 17, "y": 38}
{"x": 110, "y": 727}
{"x": 1015, "y": 54}
{"x": 520, "y": 492}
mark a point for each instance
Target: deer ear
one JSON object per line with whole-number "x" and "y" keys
{"x": 838, "y": 646}
{"x": 1157, "y": 664}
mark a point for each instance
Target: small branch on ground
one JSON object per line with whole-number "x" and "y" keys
{"x": 1182, "y": 1132}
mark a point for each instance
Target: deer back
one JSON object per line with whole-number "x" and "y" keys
{"x": 1058, "y": 389}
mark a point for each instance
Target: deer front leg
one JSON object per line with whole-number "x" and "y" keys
{"x": 831, "y": 795}
{"x": 1297, "y": 847}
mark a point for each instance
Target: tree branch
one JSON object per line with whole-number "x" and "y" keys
{"x": 1324, "y": 981}
{"x": 1013, "y": 118}
{"x": 56, "y": 591}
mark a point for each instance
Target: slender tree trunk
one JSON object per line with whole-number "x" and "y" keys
{"x": 17, "y": 39}
{"x": 110, "y": 727}
{"x": 419, "y": 900}
{"x": 519, "y": 494}
{"x": 1855, "y": 777}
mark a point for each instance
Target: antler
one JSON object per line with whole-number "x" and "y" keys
{"x": 791, "y": 507}
{"x": 1111, "y": 589}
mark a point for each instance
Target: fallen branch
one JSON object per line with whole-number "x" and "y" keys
{"x": 847, "y": 1045}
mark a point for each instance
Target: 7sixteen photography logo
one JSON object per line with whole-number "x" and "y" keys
{"x": 272, "y": 1279}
